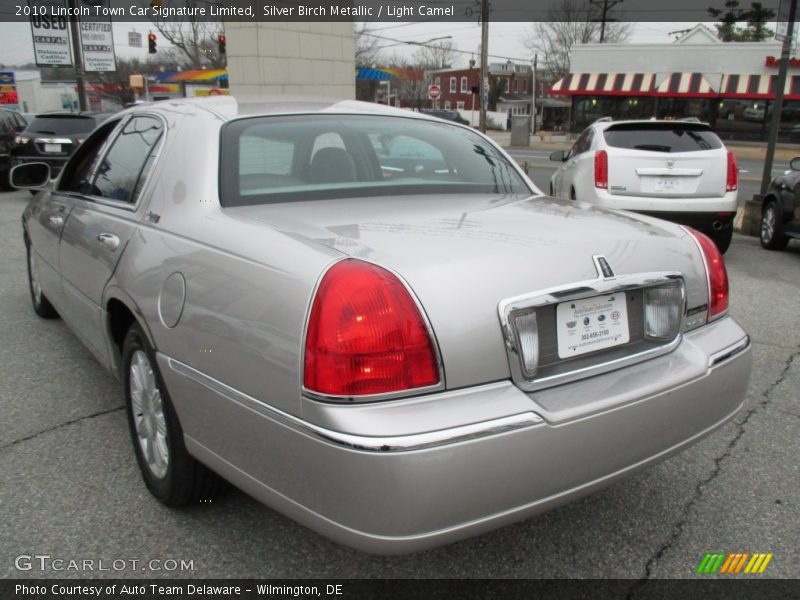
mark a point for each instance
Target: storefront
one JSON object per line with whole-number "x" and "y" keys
{"x": 729, "y": 85}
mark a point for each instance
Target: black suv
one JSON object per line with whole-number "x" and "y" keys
{"x": 11, "y": 123}
{"x": 53, "y": 137}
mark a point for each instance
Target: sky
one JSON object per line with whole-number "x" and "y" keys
{"x": 505, "y": 39}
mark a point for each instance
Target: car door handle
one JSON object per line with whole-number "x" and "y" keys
{"x": 108, "y": 240}
{"x": 55, "y": 221}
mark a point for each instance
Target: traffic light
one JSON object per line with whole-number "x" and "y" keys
{"x": 155, "y": 3}
{"x": 221, "y": 42}
{"x": 151, "y": 43}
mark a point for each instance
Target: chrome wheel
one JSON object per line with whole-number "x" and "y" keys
{"x": 36, "y": 288}
{"x": 148, "y": 414}
{"x": 768, "y": 222}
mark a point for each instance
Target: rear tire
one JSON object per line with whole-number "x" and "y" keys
{"x": 41, "y": 305}
{"x": 722, "y": 237}
{"x": 772, "y": 236}
{"x": 170, "y": 473}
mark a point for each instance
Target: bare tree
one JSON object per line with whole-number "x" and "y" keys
{"x": 195, "y": 39}
{"x": 569, "y": 22}
{"x": 368, "y": 45}
{"x": 437, "y": 55}
{"x": 412, "y": 86}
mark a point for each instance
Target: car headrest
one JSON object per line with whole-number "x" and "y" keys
{"x": 332, "y": 165}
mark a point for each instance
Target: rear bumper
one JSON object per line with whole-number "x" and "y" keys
{"x": 702, "y": 221}
{"x": 404, "y": 476}
{"x": 681, "y": 206}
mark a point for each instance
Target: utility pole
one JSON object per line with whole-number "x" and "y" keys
{"x": 533, "y": 93}
{"x": 605, "y": 6}
{"x": 777, "y": 107}
{"x": 76, "y": 48}
{"x": 484, "y": 59}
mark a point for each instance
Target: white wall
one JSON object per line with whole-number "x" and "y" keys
{"x": 267, "y": 59}
{"x": 744, "y": 57}
{"x": 42, "y": 97}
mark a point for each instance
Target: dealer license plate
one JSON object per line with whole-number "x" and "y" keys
{"x": 668, "y": 184}
{"x": 52, "y": 147}
{"x": 591, "y": 324}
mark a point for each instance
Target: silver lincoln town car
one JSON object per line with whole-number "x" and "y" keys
{"x": 371, "y": 320}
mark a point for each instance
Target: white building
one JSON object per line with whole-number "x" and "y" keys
{"x": 298, "y": 59}
{"x": 730, "y": 85}
{"x": 36, "y": 96}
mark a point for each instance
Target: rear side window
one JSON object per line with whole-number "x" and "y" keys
{"x": 662, "y": 137}
{"x": 62, "y": 125}
{"x": 128, "y": 160}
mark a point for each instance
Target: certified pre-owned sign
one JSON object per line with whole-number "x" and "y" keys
{"x": 50, "y": 34}
{"x": 97, "y": 43}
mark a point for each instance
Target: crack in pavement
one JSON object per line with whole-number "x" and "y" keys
{"x": 677, "y": 529}
{"x": 60, "y": 425}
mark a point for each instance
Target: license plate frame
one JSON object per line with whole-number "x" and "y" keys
{"x": 591, "y": 324}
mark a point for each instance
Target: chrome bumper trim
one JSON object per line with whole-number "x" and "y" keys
{"x": 729, "y": 352}
{"x": 400, "y": 443}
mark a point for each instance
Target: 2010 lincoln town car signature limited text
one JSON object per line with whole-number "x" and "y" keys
{"x": 371, "y": 320}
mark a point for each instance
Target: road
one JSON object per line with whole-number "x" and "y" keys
{"x": 541, "y": 168}
{"x": 70, "y": 489}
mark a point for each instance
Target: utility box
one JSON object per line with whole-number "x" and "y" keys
{"x": 520, "y": 130}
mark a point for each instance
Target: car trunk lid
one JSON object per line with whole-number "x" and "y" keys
{"x": 463, "y": 255}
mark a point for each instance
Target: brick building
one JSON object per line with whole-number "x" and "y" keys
{"x": 457, "y": 85}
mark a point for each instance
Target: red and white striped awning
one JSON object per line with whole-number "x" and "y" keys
{"x": 606, "y": 84}
{"x": 676, "y": 85}
{"x": 684, "y": 85}
{"x": 758, "y": 87}
{"x": 695, "y": 85}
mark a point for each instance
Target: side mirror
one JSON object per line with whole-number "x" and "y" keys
{"x": 561, "y": 156}
{"x": 795, "y": 163}
{"x": 30, "y": 176}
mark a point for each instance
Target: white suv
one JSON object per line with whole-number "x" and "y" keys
{"x": 676, "y": 170}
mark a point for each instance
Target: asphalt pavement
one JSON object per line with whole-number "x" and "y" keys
{"x": 71, "y": 491}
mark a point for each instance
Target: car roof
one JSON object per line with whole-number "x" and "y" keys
{"x": 230, "y": 108}
{"x": 603, "y": 124}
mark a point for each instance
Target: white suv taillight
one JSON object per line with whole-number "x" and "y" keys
{"x": 601, "y": 169}
{"x": 716, "y": 274}
{"x": 366, "y": 335}
{"x": 732, "y": 180}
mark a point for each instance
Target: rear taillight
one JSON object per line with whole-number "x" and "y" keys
{"x": 732, "y": 180}
{"x": 716, "y": 274}
{"x": 366, "y": 335}
{"x": 601, "y": 169}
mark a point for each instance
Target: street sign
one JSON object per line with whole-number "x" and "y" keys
{"x": 434, "y": 91}
{"x": 50, "y": 35}
{"x": 7, "y": 78}
{"x": 134, "y": 39}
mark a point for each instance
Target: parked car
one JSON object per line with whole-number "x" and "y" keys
{"x": 11, "y": 123}
{"x": 780, "y": 209}
{"x": 53, "y": 137}
{"x": 675, "y": 170}
{"x": 397, "y": 350}
{"x": 447, "y": 115}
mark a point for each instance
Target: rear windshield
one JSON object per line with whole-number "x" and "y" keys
{"x": 316, "y": 157}
{"x": 662, "y": 137}
{"x": 61, "y": 125}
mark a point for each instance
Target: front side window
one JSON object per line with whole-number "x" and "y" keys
{"x": 126, "y": 163}
{"x": 320, "y": 157}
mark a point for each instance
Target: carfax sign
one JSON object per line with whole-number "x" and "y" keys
{"x": 50, "y": 35}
